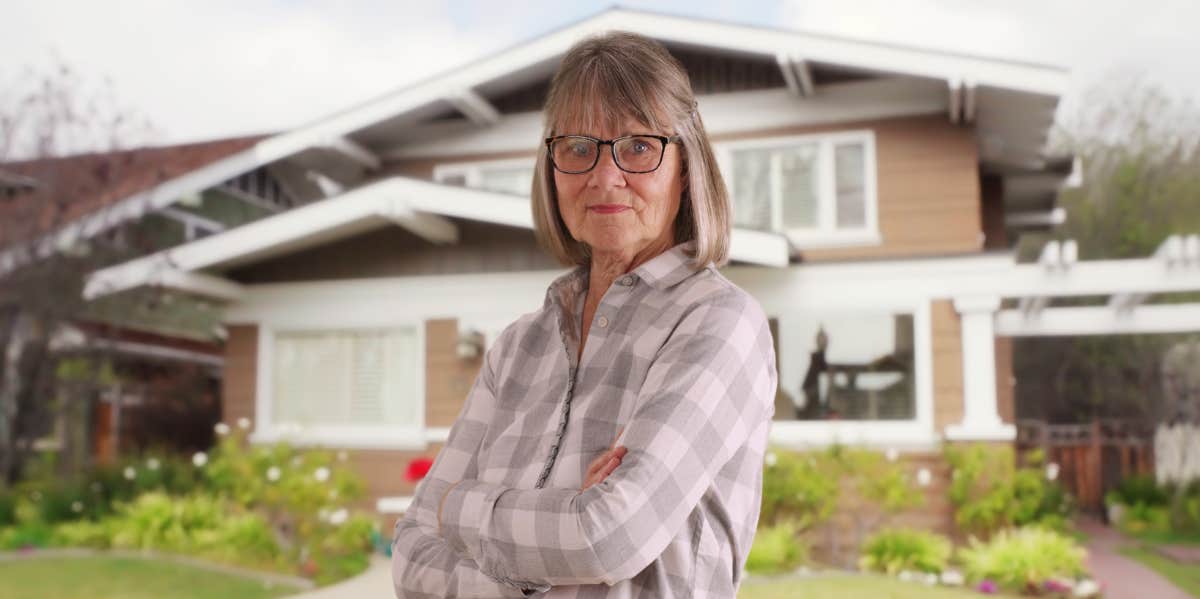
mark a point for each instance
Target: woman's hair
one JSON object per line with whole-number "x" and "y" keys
{"x": 604, "y": 81}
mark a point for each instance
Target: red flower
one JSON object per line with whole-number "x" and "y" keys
{"x": 417, "y": 469}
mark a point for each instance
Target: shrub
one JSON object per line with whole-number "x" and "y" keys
{"x": 796, "y": 489}
{"x": 1142, "y": 518}
{"x": 1023, "y": 559}
{"x": 1141, "y": 489}
{"x": 8, "y": 508}
{"x": 777, "y": 549}
{"x": 989, "y": 492}
{"x": 894, "y": 550}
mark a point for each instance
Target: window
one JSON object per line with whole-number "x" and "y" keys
{"x": 513, "y": 177}
{"x": 819, "y": 190}
{"x": 846, "y": 366}
{"x": 338, "y": 381}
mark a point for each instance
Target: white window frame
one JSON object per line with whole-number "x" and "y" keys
{"x": 915, "y": 432}
{"x": 826, "y": 234}
{"x": 472, "y": 171}
{"x": 358, "y": 436}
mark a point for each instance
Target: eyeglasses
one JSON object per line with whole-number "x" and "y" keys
{"x": 575, "y": 154}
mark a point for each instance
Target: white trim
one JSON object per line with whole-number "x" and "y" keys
{"x": 192, "y": 222}
{"x": 981, "y": 420}
{"x": 472, "y": 171}
{"x": 393, "y": 505}
{"x": 354, "y": 151}
{"x": 1051, "y": 218}
{"x": 1100, "y": 320}
{"x": 917, "y": 432}
{"x": 826, "y": 233}
{"x": 344, "y": 436}
{"x": 475, "y": 107}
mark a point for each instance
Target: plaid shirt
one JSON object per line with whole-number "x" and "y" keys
{"x": 684, "y": 360}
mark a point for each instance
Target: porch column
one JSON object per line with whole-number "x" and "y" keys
{"x": 981, "y": 421}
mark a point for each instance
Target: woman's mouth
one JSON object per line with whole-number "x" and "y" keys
{"x": 608, "y": 208}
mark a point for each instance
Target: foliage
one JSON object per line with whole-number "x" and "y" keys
{"x": 777, "y": 549}
{"x": 1141, "y": 518}
{"x": 894, "y": 550}
{"x": 989, "y": 492}
{"x": 1023, "y": 559}
{"x": 1142, "y": 489}
{"x": 796, "y": 489}
{"x": 8, "y": 508}
{"x": 107, "y": 577}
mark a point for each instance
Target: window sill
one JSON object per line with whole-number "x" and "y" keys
{"x": 815, "y": 240}
{"x": 346, "y": 437}
{"x": 872, "y": 433}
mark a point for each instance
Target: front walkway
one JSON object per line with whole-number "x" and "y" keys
{"x": 1122, "y": 577}
{"x": 374, "y": 583}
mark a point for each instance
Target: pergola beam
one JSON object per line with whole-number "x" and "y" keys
{"x": 353, "y": 150}
{"x": 796, "y": 74}
{"x": 1100, "y": 320}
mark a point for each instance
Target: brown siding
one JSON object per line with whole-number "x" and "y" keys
{"x": 238, "y": 385}
{"x": 448, "y": 378}
{"x": 394, "y": 252}
{"x": 947, "y": 366}
{"x": 1005, "y": 383}
{"x": 927, "y": 184}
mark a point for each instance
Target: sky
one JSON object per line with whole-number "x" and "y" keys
{"x": 219, "y": 68}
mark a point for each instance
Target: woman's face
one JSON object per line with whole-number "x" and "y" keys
{"x": 618, "y": 212}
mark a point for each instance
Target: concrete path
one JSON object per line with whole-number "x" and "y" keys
{"x": 1122, "y": 577}
{"x": 375, "y": 583}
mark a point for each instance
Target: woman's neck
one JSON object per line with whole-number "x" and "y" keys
{"x": 607, "y": 266}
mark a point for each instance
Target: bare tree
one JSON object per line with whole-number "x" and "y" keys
{"x": 60, "y": 144}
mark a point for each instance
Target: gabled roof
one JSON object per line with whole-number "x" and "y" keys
{"x": 419, "y": 206}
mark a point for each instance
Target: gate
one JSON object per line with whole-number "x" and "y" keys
{"x": 1092, "y": 458}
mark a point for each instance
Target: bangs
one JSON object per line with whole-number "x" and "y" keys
{"x": 605, "y": 94}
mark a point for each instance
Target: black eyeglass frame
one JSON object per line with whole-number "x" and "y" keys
{"x": 612, "y": 148}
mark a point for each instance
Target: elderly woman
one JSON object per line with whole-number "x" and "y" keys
{"x": 612, "y": 445}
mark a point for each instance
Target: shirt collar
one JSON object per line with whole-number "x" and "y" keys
{"x": 660, "y": 272}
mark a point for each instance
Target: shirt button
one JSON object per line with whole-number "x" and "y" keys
{"x": 602, "y": 322}
{"x": 626, "y": 281}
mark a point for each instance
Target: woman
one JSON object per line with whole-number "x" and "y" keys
{"x": 612, "y": 445}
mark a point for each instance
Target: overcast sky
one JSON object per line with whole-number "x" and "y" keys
{"x": 217, "y": 68}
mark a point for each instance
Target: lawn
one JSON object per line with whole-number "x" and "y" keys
{"x": 1183, "y": 576}
{"x": 849, "y": 587}
{"x": 124, "y": 578}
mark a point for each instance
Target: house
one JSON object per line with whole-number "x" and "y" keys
{"x": 877, "y": 190}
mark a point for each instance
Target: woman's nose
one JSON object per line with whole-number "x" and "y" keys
{"x": 606, "y": 173}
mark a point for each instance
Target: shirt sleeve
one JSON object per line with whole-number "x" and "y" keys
{"x": 709, "y": 390}
{"x": 424, "y": 564}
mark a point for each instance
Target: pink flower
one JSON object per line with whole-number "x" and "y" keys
{"x": 987, "y": 586}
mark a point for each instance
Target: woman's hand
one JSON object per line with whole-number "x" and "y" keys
{"x": 604, "y": 465}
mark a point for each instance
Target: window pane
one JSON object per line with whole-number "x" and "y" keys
{"x": 799, "y": 186}
{"x": 752, "y": 189}
{"x": 346, "y": 377}
{"x": 517, "y": 180}
{"x": 851, "y": 197}
{"x": 846, "y": 366}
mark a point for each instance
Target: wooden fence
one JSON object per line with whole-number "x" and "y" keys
{"x": 1092, "y": 458}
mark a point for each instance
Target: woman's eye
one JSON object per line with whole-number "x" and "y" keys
{"x": 580, "y": 149}
{"x": 641, "y": 147}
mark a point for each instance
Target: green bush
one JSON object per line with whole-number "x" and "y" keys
{"x": 8, "y": 508}
{"x": 1141, "y": 489}
{"x": 83, "y": 533}
{"x": 894, "y": 550}
{"x": 1141, "y": 518}
{"x": 25, "y": 535}
{"x": 777, "y": 549}
{"x": 1023, "y": 559}
{"x": 989, "y": 492}
{"x": 796, "y": 489}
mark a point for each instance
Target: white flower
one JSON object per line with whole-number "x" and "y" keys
{"x": 243, "y": 423}
{"x": 892, "y": 454}
{"x": 76, "y": 507}
{"x": 200, "y": 459}
{"x": 952, "y": 578}
{"x": 338, "y": 517}
{"x": 771, "y": 459}
{"x": 130, "y": 473}
{"x": 1051, "y": 471}
{"x": 152, "y": 463}
{"x": 221, "y": 429}
{"x": 273, "y": 473}
{"x": 924, "y": 477}
{"x": 1086, "y": 588}
{"x": 323, "y": 514}
{"x": 907, "y": 576}
{"x": 930, "y": 579}
{"x": 321, "y": 474}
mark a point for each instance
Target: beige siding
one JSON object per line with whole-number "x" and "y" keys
{"x": 448, "y": 378}
{"x": 947, "y": 366}
{"x": 238, "y": 384}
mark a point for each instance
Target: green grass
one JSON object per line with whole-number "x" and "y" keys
{"x": 124, "y": 578}
{"x": 1183, "y": 576}
{"x": 851, "y": 587}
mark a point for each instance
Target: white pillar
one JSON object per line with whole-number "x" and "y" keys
{"x": 981, "y": 420}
